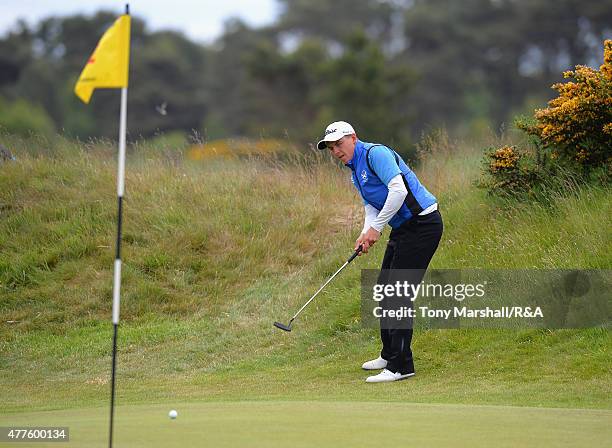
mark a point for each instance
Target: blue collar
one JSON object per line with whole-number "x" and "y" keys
{"x": 356, "y": 154}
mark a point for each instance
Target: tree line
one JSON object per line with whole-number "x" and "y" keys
{"x": 394, "y": 68}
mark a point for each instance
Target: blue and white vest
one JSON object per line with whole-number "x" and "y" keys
{"x": 374, "y": 191}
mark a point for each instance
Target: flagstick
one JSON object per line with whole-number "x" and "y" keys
{"x": 117, "y": 273}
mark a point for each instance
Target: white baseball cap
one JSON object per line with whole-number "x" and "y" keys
{"x": 335, "y": 132}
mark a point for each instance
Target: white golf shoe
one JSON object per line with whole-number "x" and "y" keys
{"x": 375, "y": 364}
{"x": 386, "y": 376}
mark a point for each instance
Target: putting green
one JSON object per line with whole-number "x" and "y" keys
{"x": 322, "y": 424}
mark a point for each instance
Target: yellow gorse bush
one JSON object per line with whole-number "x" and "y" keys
{"x": 234, "y": 148}
{"x": 573, "y": 135}
{"x": 578, "y": 123}
{"x": 505, "y": 158}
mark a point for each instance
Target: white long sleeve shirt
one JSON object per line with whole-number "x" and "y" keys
{"x": 397, "y": 194}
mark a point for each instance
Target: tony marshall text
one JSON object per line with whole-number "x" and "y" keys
{"x": 505, "y": 312}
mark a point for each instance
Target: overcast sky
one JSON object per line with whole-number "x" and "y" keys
{"x": 200, "y": 20}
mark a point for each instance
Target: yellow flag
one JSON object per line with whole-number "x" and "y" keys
{"x": 108, "y": 65}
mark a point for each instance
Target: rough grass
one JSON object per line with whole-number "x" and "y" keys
{"x": 215, "y": 252}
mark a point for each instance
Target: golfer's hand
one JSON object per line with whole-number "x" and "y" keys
{"x": 367, "y": 240}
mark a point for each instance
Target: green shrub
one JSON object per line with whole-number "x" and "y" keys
{"x": 512, "y": 172}
{"x": 25, "y": 119}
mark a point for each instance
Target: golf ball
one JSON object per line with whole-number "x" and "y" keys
{"x": 172, "y": 414}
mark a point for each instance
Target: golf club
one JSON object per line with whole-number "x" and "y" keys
{"x": 288, "y": 326}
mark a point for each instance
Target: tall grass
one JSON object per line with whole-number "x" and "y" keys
{"x": 194, "y": 234}
{"x": 214, "y": 252}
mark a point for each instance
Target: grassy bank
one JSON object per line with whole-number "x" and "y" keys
{"x": 215, "y": 252}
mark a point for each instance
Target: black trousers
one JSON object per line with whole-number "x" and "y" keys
{"x": 410, "y": 246}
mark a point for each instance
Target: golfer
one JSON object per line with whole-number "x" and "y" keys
{"x": 392, "y": 195}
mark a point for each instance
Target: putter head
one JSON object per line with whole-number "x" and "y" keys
{"x": 283, "y": 326}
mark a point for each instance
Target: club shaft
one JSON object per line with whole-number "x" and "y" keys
{"x": 320, "y": 289}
